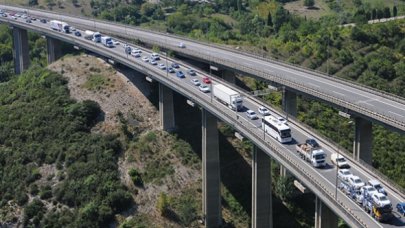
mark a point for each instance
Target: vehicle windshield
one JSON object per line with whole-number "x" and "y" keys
{"x": 371, "y": 189}
{"x": 383, "y": 198}
{"x": 357, "y": 181}
{"x": 346, "y": 172}
{"x": 319, "y": 156}
{"x": 285, "y": 133}
{"x": 340, "y": 160}
{"x": 377, "y": 186}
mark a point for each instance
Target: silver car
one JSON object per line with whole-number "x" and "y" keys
{"x": 251, "y": 114}
{"x": 195, "y": 82}
{"x": 204, "y": 88}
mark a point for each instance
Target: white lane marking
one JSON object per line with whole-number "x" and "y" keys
{"x": 341, "y": 94}
{"x": 395, "y": 113}
{"x": 312, "y": 84}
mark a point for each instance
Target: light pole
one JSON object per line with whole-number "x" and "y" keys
{"x": 337, "y": 157}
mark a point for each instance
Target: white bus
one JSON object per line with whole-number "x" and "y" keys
{"x": 276, "y": 129}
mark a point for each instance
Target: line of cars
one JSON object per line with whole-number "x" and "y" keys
{"x": 371, "y": 196}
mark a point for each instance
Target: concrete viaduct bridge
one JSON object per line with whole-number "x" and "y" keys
{"x": 330, "y": 203}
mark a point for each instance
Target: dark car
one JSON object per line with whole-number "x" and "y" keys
{"x": 77, "y": 33}
{"x": 312, "y": 142}
{"x": 28, "y": 21}
{"x": 180, "y": 74}
{"x": 43, "y": 21}
{"x": 401, "y": 208}
{"x": 175, "y": 65}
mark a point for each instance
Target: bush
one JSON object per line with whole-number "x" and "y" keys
{"x": 46, "y": 192}
{"x": 163, "y": 205}
{"x": 135, "y": 177}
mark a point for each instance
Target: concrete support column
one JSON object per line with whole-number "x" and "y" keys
{"x": 283, "y": 171}
{"x": 54, "y": 49}
{"x": 229, "y": 76}
{"x": 262, "y": 215}
{"x": 363, "y": 138}
{"x": 324, "y": 217}
{"x": 166, "y": 108}
{"x": 290, "y": 102}
{"x": 20, "y": 50}
{"x": 211, "y": 180}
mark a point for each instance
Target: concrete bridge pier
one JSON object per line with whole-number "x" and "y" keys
{"x": 363, "y": 139}
{"x": 228, "y": 76}
{"x": 20, "y": 50}
{"x": 262, "y": 212}
{"x": 211, "y": 179}
{"x": 324, "y": 217}
{"x": 54, "y": 49}
{"x": 166, "y": 108}
{"x": 289, "y": 102}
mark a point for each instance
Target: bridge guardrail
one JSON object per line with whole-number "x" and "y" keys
{"x": 274, "y": 146}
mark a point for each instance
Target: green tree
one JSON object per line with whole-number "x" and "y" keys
{"x": 281, "y": 17}
{"x": 394, "y": 11}
{"x": 285, "y": 188}
{"x": 374, "y": 14}
{"x": 269, "y": 20}
{"x": 309, "y": 3}
{"x": 387, "y": 12}
{"x": 32, "y": 2}
{"x": 148, "y": 9}
{"x": 163, "y": 205}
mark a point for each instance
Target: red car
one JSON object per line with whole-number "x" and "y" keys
{"x": 206, "y": 80}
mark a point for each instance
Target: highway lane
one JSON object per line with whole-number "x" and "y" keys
{"x": 299, "y": 135}
{"x": 393, "y": 111}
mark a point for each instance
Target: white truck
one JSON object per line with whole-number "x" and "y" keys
{"x": 107, "y": 41}
{"x": 59, "y": 26}
{"x": 317, "y": 157}
{"x": 94, "y": 36}
{"x": 227, "y": 96}
{"x": 339, "y": 160}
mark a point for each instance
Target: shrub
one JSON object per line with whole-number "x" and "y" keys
{"x": 135, "y": 177}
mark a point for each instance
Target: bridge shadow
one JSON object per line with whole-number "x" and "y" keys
{"x": 396, "y": 219}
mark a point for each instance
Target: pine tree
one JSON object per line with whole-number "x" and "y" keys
{"x": 269, "y": 20}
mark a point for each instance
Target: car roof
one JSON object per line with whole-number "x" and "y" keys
{"x": 402, "y": 204}
{"x": 378, "y": 194}
{"x": 374, "y": 182}
{"x": 343, "y": 170}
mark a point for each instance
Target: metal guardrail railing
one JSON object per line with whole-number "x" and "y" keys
{"x": 226, "y": 114}
{"x": 323, "y": 95}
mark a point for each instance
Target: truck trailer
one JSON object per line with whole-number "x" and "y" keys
{"x": 316, "y": 156}
{"x": 227, "y": 96}
{"x": 94, "y": 36}
{"x": 59, "y": 26}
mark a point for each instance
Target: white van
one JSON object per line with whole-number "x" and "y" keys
{"x": 339, "y": 160}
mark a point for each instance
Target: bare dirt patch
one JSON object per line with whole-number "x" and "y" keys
{"x": 91, "y": 78}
